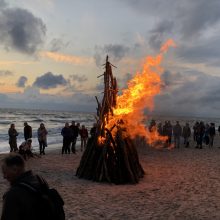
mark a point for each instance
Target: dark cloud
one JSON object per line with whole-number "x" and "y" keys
{"x": 197, "y": 16}
{"x": 6, "y": 73}
{"x": 78, "y": 78}
{"x": 115, "y": 51}
{"x": 205, "y": 51}
{"x": 199, "y": 96}
{"x": 49, "y": 80}
{"x": 160, "y": 33}
{"x": 22, "y": 81}
{"x": 21, "y": 30}
{"x": 3, "y": 4}
{"x": 57, "y": 44}
{"x": 183, "y": 20}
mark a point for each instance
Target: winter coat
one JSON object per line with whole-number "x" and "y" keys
{"x": 42, "y": 134}
{"x": 19, "y": 203}
{"x": 27, "y": 132}
{"x": 12, "y": 135}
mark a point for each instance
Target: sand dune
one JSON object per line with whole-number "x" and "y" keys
{"x": 179, "y": 184}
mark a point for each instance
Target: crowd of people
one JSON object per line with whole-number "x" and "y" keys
{"x": 70, "y": 133}
{"x": 201, "y": 133}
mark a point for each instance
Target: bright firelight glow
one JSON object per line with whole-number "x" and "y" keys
{"x": 138, "y": 96}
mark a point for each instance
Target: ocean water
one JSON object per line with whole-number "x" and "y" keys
{"x": 54, "y": 121}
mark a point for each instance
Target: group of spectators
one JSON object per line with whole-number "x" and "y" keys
{"x": 202, "y": 133}
{"x": 70, "y": 134}
{"x": 25, "y": 147}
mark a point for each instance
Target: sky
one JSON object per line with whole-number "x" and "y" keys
{"x": 52, "y": 51}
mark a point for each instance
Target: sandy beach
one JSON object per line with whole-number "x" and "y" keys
{"x": 179, "y": 184}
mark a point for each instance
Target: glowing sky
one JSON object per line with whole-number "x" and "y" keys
{"x": 52, "y": 51}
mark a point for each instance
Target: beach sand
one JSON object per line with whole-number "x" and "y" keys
{"x": 179, "y": 184}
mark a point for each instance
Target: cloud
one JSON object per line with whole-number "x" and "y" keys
{"x": 49, "y": 80}
{"x": 160, "y": 33}
{"x": 78, "y": 78}
{"x": 57, "y": 44}
{"x": 31, "y": 98}
{"x": 20, "y": 30}
{"x": 3, "y": 4}
{"x": 197, "y": 97}
{"x": 115, "y": 51}
{"x": 6, "y": 73}
{"x": 22, "y": 81}
{"x": 58, "y": 57}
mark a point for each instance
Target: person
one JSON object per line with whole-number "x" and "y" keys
{"x": 160, "y": 129}
{"x": 12, "y": 132}
{"x": 206, "y": 138}
{"x": 84, "y": 136}
{"x": 67, "y": 137}
{"x": 211, "y": 134}
{"x": 42, "y": 138}
{"x": 177, "y": 132}
{"x": 25, "y": 149}
{"x": 75, "y": 134}
{"x": 22, "y": 201}
{"x": 200, "y": 133}
{"x": 186, "y": 134}
{"x": 93, "y": 130}
{"x": 196, "y": 131}
{"x": 27, "y": 131}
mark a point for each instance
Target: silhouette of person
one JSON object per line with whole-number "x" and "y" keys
{"x": 12, "y": 132}
{"x": 27, "y": 131}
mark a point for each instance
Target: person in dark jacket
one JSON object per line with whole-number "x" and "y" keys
{"x": 12, "y": 133}
{"x": 27, "y": 131}
{"x": 66, "y": 132}
{"x": 18, "y": 202}
{"x": 186, "y": 134}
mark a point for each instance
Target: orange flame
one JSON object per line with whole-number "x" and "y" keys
{"x": 139, "y": 96}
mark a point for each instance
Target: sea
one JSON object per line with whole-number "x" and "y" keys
{"x": 55, "y": 120}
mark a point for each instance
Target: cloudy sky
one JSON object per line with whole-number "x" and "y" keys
{"x": 52, "y": 51}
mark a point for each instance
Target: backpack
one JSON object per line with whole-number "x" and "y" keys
{"x": 49, "y": 200}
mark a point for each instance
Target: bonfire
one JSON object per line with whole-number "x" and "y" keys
{"x": 111, "y": 154}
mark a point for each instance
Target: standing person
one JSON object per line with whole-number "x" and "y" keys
{"x": 177, "y": 132}
{"x": 196, "y": 131}
{"x": 75, "y": 133}
{"x": 186, "y": 134}
{"x": 93, "y": 130}
{"x": 160, "y": 129}
{"x": 84, "y": 136}
{"x": 200, "y": 132}
{"x": 67, "y": 137}
{"x": 12, "y": 133}
{"x": 169, "y": 133}
{"x": 211, "y": 134}
{"x": 24, "y": 200}
{"x": 42, "y": 138}
{"x": 27, "y": 131}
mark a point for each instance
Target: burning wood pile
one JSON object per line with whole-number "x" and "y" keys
{"x": 110, "y": 154}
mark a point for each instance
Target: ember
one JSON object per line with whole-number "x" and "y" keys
{"x": 111, "y": 154}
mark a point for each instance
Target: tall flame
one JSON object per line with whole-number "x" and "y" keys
{"x": 139, "y": 95}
